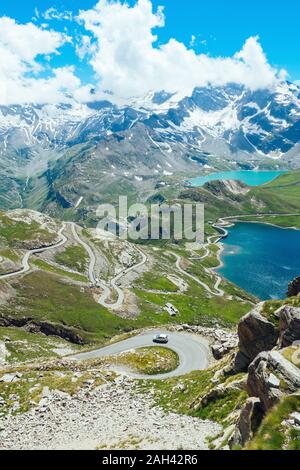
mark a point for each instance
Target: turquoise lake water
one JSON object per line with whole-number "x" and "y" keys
{"x": 251, "y": 177}
{"x": 261, "y": 259}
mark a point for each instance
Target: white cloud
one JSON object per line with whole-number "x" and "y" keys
{"x": 54, "y": 14}
{"x": 120, "y": 43}
{"x": 36, "y": 13}
{"x": 20, "y": 47}
{"x": 127, "y": 62}
{"x": 193, "y": 40}
{"x": 26, "y": 41}
{"x": 85, "y": 47}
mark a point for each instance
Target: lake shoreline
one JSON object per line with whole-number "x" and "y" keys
{"x": 230, "y": 221}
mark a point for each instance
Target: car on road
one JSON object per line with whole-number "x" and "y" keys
{"x": 161, "y": 338}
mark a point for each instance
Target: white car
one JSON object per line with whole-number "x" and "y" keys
{"x": 161, "y": 338}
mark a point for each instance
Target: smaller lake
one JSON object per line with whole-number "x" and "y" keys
{"x": 249, "y": 177}
{"x": 261, "y": 259}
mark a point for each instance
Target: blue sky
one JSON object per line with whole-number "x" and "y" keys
{"x": 225, "y": 25}
{"x": 231, "y": 22}
{"x": 211, "y": 42}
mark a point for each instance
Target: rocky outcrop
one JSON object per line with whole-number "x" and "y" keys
{"x": 225, "y": 343}
{"x": 256, "y": 334}
{"x": 248, "y": 423}
{"x": 270, "y": 377}
{"x": 289, "y": 325}
{"x": 47, "y": 328}
{"x": 54, "y": 329}
{"x": 294, "y": 287}
{"x": 221, "y": 349}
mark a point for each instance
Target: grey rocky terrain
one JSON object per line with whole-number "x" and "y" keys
{"x": 111, "y": 416}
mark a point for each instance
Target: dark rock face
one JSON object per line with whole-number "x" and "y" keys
{"x": 47, "y": 328}
{"x": 270, "y": 377}
{"x": 294, "y": 287}
{"x": 256, "y": 334}
{"x": 54, "y": 329}
{"x": 289, "y": 325}
{"x": 249, "y": 421}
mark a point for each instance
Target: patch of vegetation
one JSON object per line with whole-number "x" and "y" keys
{"x": 32, "y": 383}
{"x": 183, "y": 394}
{"x": 150, "y": 361}
{"x": 153, "y": 282}
{"x": 274, "y": 433}
{"x": 16, "y": 233}
{"x": 196, "y": 306}
{"x": 271, "y": 306}
{"x": 41, "y": 264}
{"x": 280, "y": 221}
{"x": 44, "y": 296}
{"x": 212, "y": 260}
{"x": 74, "y": 257}
{"x": 10, "y": 254}
{"x": 292, "y": 354}
{"x": 220, "y": 409}
{"x": 9, "y": 261}
{"x": 23, "y": 346}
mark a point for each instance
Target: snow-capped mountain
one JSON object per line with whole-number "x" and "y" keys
{"x": 262, "y": 122}
{"x": 158, "y": 134}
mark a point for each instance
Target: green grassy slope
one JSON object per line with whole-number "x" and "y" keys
{"x": 274, "y": 434}
{"x": 280, "y": 196}
{"x": 20, "y": 234}
{"x": 74, "y": 257}
{"x": 44, "y": 296}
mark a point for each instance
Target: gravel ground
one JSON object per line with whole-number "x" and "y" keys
{"x": 112, "y": 416}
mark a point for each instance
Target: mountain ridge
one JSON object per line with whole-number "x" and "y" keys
{"x": 155, "y": 137}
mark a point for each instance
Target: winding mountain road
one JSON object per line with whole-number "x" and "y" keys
{"x": 113, "y": 283}
{"x": 192, "y": 350}
{"x": 219, "y": 225}
{"x": 106, "y": 293}
{"x": 25, "y": 261}
{"x": 218, "y": 292}
{"x": 89, "y": 251}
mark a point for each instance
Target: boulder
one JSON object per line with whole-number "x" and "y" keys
{"x": 224, "y": 345}
{"x": 296, "y": 417}
{"x": 256, "y": 334}
{"x": 289, "y": 325}
{"x": 220, "y": 350}
{"x": 249, "y": 421}
{"x": 271, "y": 376}
{"x": 294, "y": 287}
{"x": 8, "y": 378}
